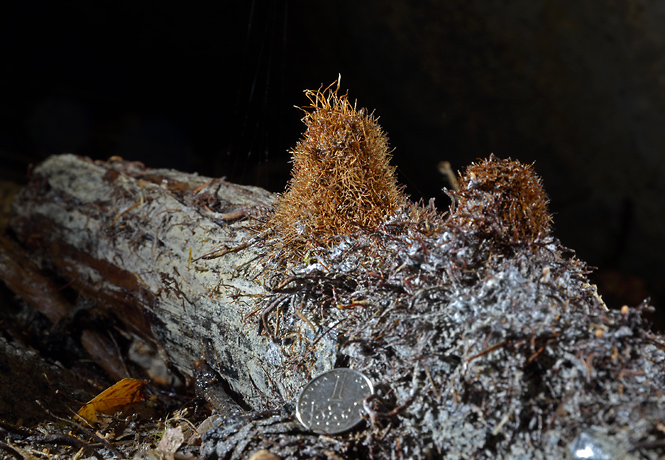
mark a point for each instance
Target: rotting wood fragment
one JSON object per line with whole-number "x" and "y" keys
{"x": 135, "y": 240}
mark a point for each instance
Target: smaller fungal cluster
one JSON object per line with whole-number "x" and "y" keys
{"x": 502, "y": 200}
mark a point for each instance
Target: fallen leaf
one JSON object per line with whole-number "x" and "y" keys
{"x": 109, "y": 401}
{"x": 171, "y": 442}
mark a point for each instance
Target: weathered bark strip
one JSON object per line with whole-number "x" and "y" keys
{"x": 25, "y": 279}
{"x": 155, "y": 249}
{"x": 30, "y": 283}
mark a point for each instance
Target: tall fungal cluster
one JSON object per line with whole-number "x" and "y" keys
{"x": 342, "y": 180}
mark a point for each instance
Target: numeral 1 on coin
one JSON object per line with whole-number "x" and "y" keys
{"x": 339, "y": 386}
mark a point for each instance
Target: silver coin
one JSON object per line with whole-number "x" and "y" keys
{"x": 333, "y": 402}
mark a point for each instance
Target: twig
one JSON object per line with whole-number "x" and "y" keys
{"x": 221, "y": 252}
{"x": 134, "y": 206}
{"x": 65, "y": 439}
{"x": 15, "y": 429}
{"x": 84, "y": 430}
{"x": 234, "y": 215}
{"x": 266, "y": 311}
{"x": 375, "y": 415}
{"x": 447, "y": 171}
{"x": 7, "y": 448}
{"x": 487, "y": 350}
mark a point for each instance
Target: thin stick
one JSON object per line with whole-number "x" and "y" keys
{"x": 488, "y": 350}
{"x": 85, "y": 430}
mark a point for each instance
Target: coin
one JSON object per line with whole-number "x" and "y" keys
{"x": 332, "y": 402}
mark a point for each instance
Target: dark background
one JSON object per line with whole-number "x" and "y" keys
{"x": 579, "y": 89}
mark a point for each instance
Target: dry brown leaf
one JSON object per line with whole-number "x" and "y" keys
{"x": 109, "y": 401}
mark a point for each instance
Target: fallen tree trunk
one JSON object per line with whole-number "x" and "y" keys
{"x": 168, "y": 254}
{"x": 480, "y": 331}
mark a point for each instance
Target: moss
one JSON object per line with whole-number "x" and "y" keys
{"x": 342, "y": 179}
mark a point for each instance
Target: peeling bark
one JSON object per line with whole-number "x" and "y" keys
{"x": 168, "y": 254}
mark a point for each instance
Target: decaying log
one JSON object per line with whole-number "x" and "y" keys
{"x": 481, "y": 332}
{"x": 158, "y": 249}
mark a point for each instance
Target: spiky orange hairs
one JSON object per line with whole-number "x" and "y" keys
{"x": 503, "y": 200}
{"x": 341, "y": 179}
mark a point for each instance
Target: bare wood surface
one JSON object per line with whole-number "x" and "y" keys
{"x": 167, "y": 253}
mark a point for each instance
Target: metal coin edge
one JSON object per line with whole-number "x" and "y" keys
{"x": 318, "y": 377}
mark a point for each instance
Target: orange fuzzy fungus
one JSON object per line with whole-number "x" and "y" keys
{"x": 342, "y": 179}
{"x": 503, "y": 200}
